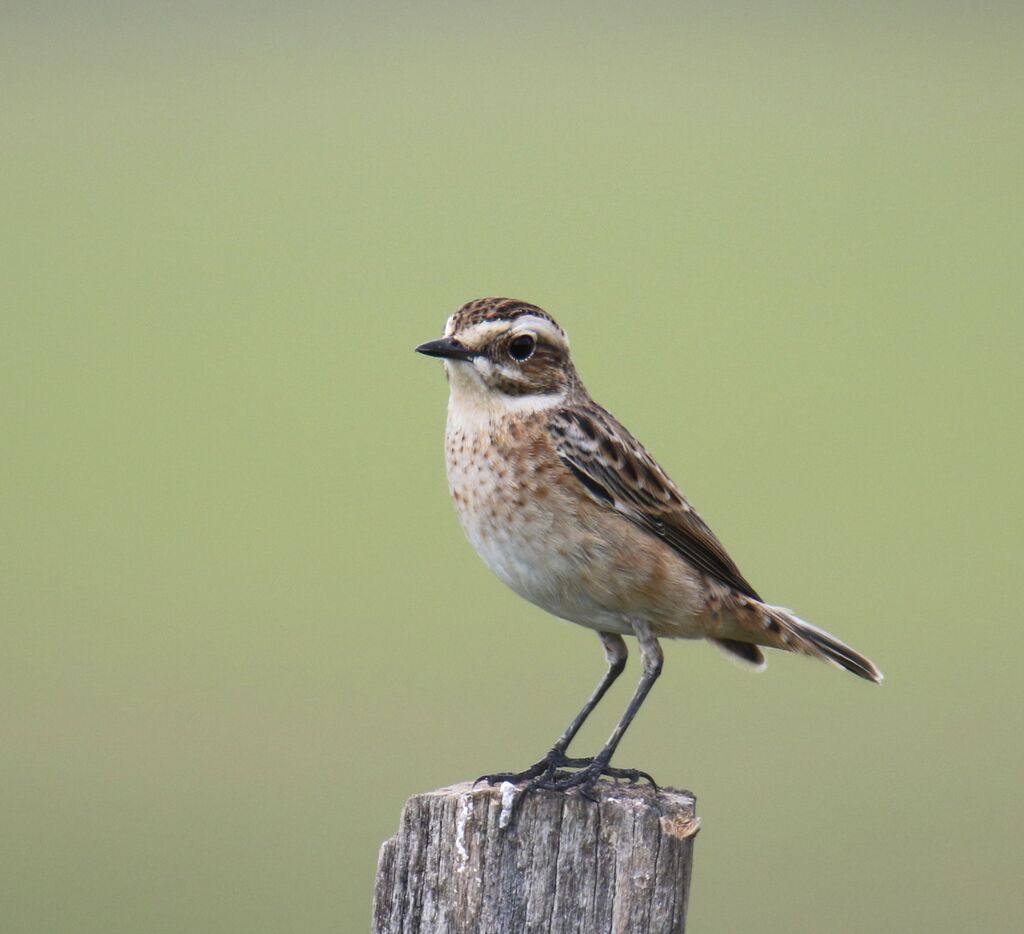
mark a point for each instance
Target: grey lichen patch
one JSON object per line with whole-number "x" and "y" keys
{"x": 508, "y": 798}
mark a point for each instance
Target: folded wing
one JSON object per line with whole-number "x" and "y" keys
{"x": 619, "y": 473}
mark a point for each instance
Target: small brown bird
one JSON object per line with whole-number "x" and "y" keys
{"x": 568, "y": 509}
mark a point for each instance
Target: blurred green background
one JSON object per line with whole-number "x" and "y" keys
{"x": 240, "y": 622}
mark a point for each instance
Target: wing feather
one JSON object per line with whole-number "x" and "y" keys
{"x": 619, "y": 473}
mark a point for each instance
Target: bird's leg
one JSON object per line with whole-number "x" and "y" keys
{"x": 592, "y": 770}
{"x": 615, "y": 652}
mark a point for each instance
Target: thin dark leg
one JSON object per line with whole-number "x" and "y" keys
{"x": 650, "y": 653}
{"x": 615, "y": 651}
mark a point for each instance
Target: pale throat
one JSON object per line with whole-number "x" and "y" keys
{"x": 473, "y": 406}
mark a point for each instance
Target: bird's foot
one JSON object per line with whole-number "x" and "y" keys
{"x": 551, "y": 773}
{"x": 589, "y": 772}
{"x": 547, "y": 767}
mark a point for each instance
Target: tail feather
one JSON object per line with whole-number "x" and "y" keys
{"x": 800, "y": 636}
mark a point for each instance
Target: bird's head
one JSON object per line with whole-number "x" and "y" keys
{"x": 506, "y": 354}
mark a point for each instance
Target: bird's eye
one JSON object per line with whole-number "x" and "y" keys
{"x": 522, "y": 348}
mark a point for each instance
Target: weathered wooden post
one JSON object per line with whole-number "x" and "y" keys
{"x": 458, "y": 865}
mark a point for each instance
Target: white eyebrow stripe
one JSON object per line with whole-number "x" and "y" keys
{"x": 543, "y": 326}
{"x": 484, "y": 331}
{"x": 480, "y": 333}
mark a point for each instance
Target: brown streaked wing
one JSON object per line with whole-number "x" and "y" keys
{"x": 618, "y": 473}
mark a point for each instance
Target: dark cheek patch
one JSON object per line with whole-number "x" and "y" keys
{"x": 525, "y": 387}
{"x": 544, "y": 373}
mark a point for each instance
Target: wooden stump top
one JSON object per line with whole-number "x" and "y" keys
{"x": 458, "y": 864}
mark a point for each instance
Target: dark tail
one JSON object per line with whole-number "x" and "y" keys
{"x": 799, "y": 636}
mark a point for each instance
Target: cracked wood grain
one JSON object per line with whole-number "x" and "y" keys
{"x": 565, "y": 864}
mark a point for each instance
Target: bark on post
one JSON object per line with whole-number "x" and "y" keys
{"x": 456, "y": 865}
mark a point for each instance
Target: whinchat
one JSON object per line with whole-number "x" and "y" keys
{"x": 568, "y": 509}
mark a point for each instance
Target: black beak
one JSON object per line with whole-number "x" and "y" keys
{"x": 447, "y": 348}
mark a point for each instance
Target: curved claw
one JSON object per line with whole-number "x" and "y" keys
{"x": 548, "y": 766}
{"x": 538, "y": 768}
{"x": 630, "y": 775}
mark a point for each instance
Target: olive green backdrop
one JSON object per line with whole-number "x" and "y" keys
{"x": 240, "y": 622}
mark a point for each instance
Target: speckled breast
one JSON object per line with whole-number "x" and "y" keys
{"x": 505, "y": 488}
